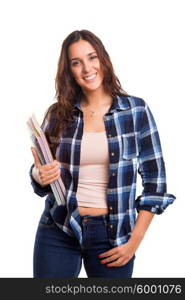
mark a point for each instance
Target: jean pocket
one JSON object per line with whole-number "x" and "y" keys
{"x": 130, "y": 146}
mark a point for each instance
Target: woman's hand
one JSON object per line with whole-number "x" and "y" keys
{"x": 45, "y": 174}
{"x": 120, "y": 255}
{"x": 123, "y": 253}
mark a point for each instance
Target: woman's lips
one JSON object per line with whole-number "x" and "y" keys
{"x": 90, "y": 78}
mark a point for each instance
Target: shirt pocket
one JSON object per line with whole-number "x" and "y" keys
{"x": 130, "y": 146}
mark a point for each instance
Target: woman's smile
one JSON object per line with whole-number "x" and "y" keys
{"x": 90, "y": 78}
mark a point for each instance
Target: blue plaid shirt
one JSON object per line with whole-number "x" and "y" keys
{"x": 134, "y": 146}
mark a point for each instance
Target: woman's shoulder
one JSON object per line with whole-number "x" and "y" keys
{"x": 135, "y": 101}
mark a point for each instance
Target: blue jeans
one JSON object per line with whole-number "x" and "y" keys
{"x": 58, "y": 255}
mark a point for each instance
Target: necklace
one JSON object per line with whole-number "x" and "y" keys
{"x": 92, "y": 112}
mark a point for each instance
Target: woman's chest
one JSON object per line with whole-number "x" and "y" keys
{"x": 120, "y": 137}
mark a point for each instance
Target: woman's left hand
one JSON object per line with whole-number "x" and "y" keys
{"x": 120, "y": 255}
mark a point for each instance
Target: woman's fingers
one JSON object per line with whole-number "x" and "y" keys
{"x": 50, "y": 180}
{"x": 36, "y": 158}
{"x": 48, "y": 168}
{"x": 48, "y": 173}
{"x": 48, "y": 177}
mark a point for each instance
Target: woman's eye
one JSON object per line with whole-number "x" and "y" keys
{"x": 92, "y": 57}
{"x": 74, "y": 63}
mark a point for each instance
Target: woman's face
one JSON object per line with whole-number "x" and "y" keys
{"x": 85, "y": 66}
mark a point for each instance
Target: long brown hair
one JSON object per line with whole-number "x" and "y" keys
{"x": 68, "y": 90}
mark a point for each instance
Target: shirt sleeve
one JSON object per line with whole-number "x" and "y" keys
{"x": 154, "y": 197}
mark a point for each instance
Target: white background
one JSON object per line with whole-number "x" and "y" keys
{"x": 145, "y": 40}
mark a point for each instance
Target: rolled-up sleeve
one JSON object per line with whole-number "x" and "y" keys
{"x": 154, "y": 197}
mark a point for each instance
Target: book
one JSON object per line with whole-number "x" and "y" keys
{"x": 45, "y": 156}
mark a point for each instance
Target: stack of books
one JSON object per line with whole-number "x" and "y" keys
{"x": 44, "y": 153}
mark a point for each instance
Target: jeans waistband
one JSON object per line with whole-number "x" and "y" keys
{"x": 89, "y": 218}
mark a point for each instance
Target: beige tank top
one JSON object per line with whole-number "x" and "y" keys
{"x": 93, "y": 173}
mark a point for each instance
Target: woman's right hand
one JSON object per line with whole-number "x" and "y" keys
{"x": 45, "y": 174}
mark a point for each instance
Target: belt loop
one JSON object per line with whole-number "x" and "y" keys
{"x": 105, "y": 219}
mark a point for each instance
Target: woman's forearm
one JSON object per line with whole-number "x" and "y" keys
{"x": 143, "y": 221}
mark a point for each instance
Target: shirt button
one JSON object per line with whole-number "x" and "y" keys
{"x": 113, "y": 174}
{"x": 112, "y": 153}
{"x": 109, "y": 135}
{"x": 110, "y": 207}
{"x": 111, "y": 226}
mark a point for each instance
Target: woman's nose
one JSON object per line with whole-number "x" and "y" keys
{"x": 86, "y": 67}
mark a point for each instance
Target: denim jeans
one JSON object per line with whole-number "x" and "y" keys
{"x": 58, "y": 255}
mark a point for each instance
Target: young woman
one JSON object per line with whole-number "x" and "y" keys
{"x": 100, "y": 137}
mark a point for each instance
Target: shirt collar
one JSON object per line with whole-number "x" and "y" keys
{"x": 119, "y": 103}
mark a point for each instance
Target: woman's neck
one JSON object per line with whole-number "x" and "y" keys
{"x": 96, "y": 99}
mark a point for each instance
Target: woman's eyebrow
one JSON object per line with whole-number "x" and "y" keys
{"x": 76, "y": 58}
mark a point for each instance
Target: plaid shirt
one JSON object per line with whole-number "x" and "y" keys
{"x": 134, "y": 146}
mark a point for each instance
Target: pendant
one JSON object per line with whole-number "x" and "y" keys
{"x": 92, "y": 112}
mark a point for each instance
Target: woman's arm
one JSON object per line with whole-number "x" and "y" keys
{"x": 143, "y": 221}
{"x": 154, "y": 198}
{"x": 120, "y": 255}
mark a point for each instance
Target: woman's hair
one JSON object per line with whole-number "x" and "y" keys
{"x": 67, "y": 89}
